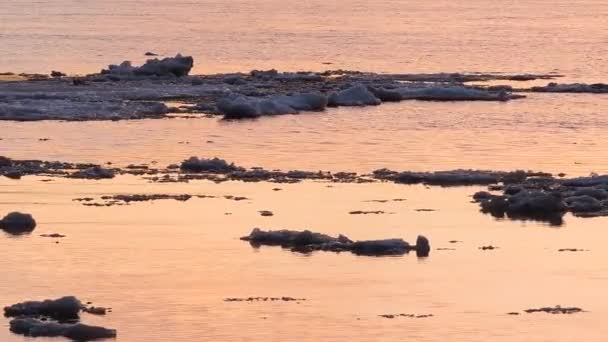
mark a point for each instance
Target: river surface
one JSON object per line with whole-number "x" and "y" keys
{"x": 165, "y": 267}
{"x": 80, "y": 36}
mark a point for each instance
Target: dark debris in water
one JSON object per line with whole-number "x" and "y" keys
{"x": 367, "y": 212}
{"x": 265, "y": 299}
{"x": 556, "y": 310}
{"x": 392, "y": 316}
{"x": 572, "y": 250}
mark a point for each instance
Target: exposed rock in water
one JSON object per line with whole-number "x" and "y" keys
{"x": 307, "y": 241}
{"x": 357, "y": 95}
{"x": 175, "y": 66}
{"x": 596, "y": 88}
{"x": 423, "y": 246}
{"x": 77, "y": 332}
{"x": 18, "y": 223}
{"x": 214, "y": 165}
{"x": 65, "y": 308}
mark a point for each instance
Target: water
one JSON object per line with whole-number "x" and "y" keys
{"x": 548, "y": 132}
{"x": 80, "y": 36}
{"x": 166, "y": 266}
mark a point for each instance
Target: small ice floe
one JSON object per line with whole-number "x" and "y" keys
{"x": 237, "y": 106}
{"x": 596, "y": 88}
{"x": 307, "y": 241}
{"x": 273, "y": 74}
{"x": 357, "y": 95}
{"x": 171, "y": 66}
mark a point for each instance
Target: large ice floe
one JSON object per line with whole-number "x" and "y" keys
{"x": 125, "y": 91}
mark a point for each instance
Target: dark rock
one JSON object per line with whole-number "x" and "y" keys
{"x": 423, "y": 247}
{"x": 18, "y": 223}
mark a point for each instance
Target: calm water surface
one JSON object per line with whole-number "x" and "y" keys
{"x": 80, "y": 36}
{"x": 165, "y": 267}
{"x": 549, "y": 132}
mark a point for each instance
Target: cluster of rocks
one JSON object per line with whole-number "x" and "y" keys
{"x": 307, "y": 241}
{"x": 547, "y": 198}
{"x": 55, "y": 318}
